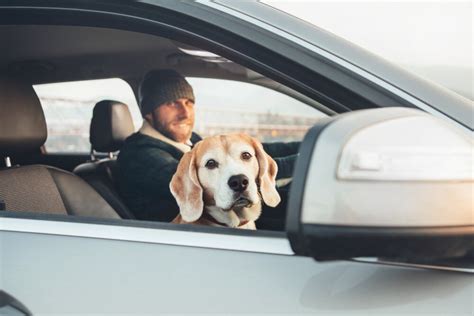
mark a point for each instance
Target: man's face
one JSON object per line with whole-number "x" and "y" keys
{"x": 174, "y": 119}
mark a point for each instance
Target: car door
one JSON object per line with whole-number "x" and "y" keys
{"x": 85, "y": 266}
{"x": 90, "y": 268}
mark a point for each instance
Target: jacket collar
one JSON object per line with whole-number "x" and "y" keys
{"x": 148, "y": 130}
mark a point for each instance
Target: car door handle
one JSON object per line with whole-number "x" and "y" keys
{"x": 11, "y": 306}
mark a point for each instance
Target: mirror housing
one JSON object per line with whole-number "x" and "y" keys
{"x": 391, "y": 183}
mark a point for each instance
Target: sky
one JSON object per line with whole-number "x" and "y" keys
{"x": 430, "y": 38}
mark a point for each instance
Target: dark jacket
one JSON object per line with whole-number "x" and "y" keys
{"x": 146, "y": 166}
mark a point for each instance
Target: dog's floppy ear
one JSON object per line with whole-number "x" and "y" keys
{"x": 266, "y": 175}
{"x": 186, "y": 188}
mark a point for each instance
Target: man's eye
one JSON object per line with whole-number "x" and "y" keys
{"x": 211, "y": 164}
{"x": 246, "y": 156}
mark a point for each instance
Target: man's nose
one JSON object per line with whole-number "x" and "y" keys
{"x": 238, "y": 183}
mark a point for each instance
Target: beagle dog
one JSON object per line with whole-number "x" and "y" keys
{"x": 222, "y": 182}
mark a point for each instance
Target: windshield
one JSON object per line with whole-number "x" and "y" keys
{"x": 430, "y": 39}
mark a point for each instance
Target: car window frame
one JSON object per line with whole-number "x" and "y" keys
{"x": 414, "y": 89}
{"x": 155, "y": 22}
{"x": 235, "y": 40}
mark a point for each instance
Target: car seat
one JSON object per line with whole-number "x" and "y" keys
{"x": 37, "y": 188}
{"x": 111, "y": 124}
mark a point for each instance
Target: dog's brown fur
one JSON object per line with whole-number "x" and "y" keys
{"x": 196, "y": 188}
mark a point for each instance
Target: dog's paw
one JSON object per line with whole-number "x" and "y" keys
{"x": 233, "y": 220}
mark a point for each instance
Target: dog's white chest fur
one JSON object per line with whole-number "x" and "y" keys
{"x": 231, "y": 219}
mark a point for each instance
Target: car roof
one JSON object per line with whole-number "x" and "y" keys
{"x": 48, "y": 53}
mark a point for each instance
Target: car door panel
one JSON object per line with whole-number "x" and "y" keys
{"x": 127, "y": 277}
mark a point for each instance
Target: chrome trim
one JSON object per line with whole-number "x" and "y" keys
{"x": 334, "y": 58}
{"x": 270, "y": 245}
{"x": 413, "y": 265}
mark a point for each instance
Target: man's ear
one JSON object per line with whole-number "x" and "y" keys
{"x": 186, "y": 188}
{"x": 267, "y": 172}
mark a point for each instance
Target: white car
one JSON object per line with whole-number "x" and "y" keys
{"x": 381, "y": 195}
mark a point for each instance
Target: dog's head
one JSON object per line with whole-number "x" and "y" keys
{"x": 228, "y": 172}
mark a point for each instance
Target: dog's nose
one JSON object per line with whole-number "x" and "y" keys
{"x": 238, "y": 183}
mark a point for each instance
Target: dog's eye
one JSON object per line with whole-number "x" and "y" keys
{"x": 246, "y": 156}
{"x": 211, "y": 164}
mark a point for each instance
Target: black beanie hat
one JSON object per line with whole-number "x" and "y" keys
{"x": 162, "y": 86}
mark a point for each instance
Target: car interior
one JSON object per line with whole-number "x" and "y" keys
{"x": 33, "y": 180}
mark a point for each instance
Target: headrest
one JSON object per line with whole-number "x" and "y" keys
{"x": 22, "y": 122}
{"x": 111, "y": 124}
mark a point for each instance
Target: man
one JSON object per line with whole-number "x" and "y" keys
{"x": 149, "y": 158}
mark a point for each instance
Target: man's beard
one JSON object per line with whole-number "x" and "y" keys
{"x": 168, "y": 133}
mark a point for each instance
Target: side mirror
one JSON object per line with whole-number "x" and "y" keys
{"x": 391, "y": 183}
